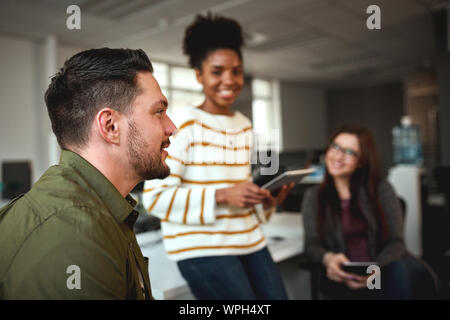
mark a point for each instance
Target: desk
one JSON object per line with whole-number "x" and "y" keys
{"x": 284, "y": 235}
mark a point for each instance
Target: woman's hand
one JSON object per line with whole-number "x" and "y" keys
{"x": 281, "y": 196}
{"x": 356, "y": 282}
{"x": 248, "y": 194}
{"x": 272, "y": 201}
{"x": 243, "y": 195}
{"x": 333, "y": 263}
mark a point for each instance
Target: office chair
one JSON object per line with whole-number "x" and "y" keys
{"x": 442, "y": 178}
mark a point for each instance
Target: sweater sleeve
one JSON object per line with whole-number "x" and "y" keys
{"x": 169, "y": 200}
{"x": 269, "y": 212}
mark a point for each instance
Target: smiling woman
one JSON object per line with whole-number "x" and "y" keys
{"x": 222, "y": 79}
{"x": 354, "y": 215}
{"x": 343, "y": 157}
{"x": 207, "y": 204}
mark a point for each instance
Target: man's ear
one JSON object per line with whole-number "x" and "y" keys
{"x": 107, "y": 125}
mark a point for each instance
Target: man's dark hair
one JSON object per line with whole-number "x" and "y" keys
{"x": 209, "y": 33}
{"x": 89, "y": 81}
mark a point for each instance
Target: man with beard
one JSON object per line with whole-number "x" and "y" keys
{"x": 71, "y": 236}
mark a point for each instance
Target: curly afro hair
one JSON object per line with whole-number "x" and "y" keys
{"x": 209, "y": 33}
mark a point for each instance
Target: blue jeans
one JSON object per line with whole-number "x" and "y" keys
{"x": 407, "y": 279}
{"x": 249, "y": 277}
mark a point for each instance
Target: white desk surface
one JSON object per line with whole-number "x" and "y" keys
{"x": 165, "y": 278}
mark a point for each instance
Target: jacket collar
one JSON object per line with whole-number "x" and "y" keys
{"x": 120, "y": 207}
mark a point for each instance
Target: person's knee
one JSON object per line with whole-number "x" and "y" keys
{"x": 409, "y": 278}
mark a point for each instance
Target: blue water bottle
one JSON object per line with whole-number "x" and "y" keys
{"x": 407, "y": 143}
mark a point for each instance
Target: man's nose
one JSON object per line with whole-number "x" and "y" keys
{"x": 170, "y": 127}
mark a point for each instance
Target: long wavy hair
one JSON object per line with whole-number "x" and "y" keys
{"x": 366, "y": 177}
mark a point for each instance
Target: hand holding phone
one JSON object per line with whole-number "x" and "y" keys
{"x": 358, "y": 268}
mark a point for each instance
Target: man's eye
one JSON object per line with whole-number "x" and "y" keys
{"x": 216, "y": 73}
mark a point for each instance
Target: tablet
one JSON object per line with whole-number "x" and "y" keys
{"x": 359, "y": 268}
{"x": 286, "y": 178}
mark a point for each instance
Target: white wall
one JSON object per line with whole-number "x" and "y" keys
{"x": 18, "y": 107}
{"x": 25, "y": 129}
{"x": 65, "y": 52}
{"x": 304, "y": 118}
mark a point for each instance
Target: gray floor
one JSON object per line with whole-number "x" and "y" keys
{"x": 296, "y": 279}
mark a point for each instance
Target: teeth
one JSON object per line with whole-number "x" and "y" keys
{"x": 337, "y": 165}
{"x": 226, "y": 92}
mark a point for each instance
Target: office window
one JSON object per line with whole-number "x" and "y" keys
{"x": 261, "y": 88}
{"x": 161, "y": 73}
{"x": 261, "y": 116}
{"x": 179, "y": 85}
{"x": 184, "y": 78}
{"x": 181, "y": 98}
{"x": 266, "y": 114}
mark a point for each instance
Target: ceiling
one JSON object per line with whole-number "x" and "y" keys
{"x": 322, "y": 42}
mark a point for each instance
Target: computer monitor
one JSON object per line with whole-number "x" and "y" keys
{"x": 16, "y": 177}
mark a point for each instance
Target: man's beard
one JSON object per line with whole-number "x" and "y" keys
{"x": 149, "y": 165}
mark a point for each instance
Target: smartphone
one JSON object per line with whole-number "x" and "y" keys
{"x": 359, "y": 268}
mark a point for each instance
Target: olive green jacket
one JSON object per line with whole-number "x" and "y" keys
{"x": 71, "y": 237}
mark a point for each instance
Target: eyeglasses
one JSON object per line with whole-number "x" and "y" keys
{"x": 348, "y": 153}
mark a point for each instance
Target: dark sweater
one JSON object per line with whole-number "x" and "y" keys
{"x": 354, "y": 228}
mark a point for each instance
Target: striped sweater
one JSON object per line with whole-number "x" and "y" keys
{"x": 208, "y": 152}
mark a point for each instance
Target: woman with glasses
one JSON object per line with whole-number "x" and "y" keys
{"x": 355, "y": 215}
